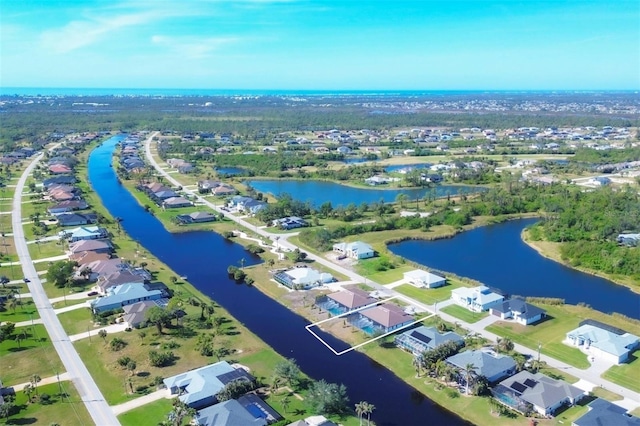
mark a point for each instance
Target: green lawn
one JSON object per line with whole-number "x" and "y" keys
{"x": 35, "y": 355}
{"x": 45, "y": 250}
{"x": 548, "y": 333}
{"x": 428, "y": 296}
{"x": 25, "y": 311}
{"x": 65, "y": 408}
{"x": 148, "y": 414}
{"x": 76, "y": 321}
{"x": 626, "y": 374}
{"x": 464, "y": 314}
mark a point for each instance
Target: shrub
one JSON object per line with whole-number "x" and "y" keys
{"x": 161, "y": 359}
{"x": 117, "y": 344}
{"x": 123, "y": 361}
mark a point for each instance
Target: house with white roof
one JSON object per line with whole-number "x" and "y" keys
{"x": 607, "y": 344}
{"x": 198, "y": 388}
{"x": 302, "y": 277}
{"x": 420, "y": 278}
{"x": 83, "y": 233}
{"x": 477, "y": 299}
{"x": 355, "y": 250}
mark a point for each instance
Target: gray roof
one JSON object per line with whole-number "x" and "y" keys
{"x": 486, "y": 363}
{"x": 431, "y": 337}
{"x": 228, "y": 413}
{"x": 540, "y": 390}
{"x": 518, "y": 305}
{"x": 602, "y": 413}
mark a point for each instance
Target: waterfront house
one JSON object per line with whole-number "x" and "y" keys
{"x": 386, "y": 317}
{"x": 302, "y": 278}
{"x": 347, "y": 300}
{"x": 486, "y": 362}
{"x": 602, "y": 413}
{"x": 420, "y": 339}
{"x": 313, "y": 421}
{"x": 377, "y": 180}
{"x": 228, "y": 413}
{"x": 62, "y": 179}
{"x": 526, "y": 392}
{"x": 290, "y": 222}
{"x": 477, "y": 299}
{"x": 196, "y": 217}
{"x": 198, "y": 388}
{"x": 420, "y": 278}
{"x": 74, "y": 219}
{"x": 135, "y": 314}
{"x": 124, "y": 294}
{"x": 84, "y": 233}
{"x": 603, "y": 341}
{"x": 96, "y": 246}
{"x": 85, "y": 257}
{"x": 176, "y": 202}
{"x": 355, "y": 250}
{"x": 517, "y": 309}
{"x": 67, "y": 206}
{"x": 57, "y": 169}
{"x": 224, "y": 190}
{"x": 122, "y": 275}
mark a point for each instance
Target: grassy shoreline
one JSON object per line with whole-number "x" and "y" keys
{"x": 551, "y": 251}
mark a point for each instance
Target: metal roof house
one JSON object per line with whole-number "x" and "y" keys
{"x": 420, "y": 278}
{"x": 525, "y": 391}
{"x": 487, "y": 363}
{"x": 517, "y": 309}
{"x": 302, "y": 277}
{"x": 602, "y": 412}
{"x": 602, "y": 343}
{"x": 423, "y": 338}
{"x": 477, "y": 299}
{"x": 355, "y": 250}
{"x": 124, "y": 294}
{"x": 228, "y": 413}
{"x": 198, "y": 388}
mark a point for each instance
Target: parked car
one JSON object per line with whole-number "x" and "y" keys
{"x": 92, "y": 293}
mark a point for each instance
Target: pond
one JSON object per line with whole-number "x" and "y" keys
{"x": 318, "y": 192}
{"x": 204, "y": 256}
{"x": 406, "y": 167}
{"x": 230, "y": 171}
{"x": 496, "y": 256}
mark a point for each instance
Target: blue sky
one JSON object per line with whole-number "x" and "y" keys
{"x": 321, "y": 45}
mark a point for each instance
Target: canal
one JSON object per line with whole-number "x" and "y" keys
{"x": 204, "y": 256}
{"x": 496, "y": 256}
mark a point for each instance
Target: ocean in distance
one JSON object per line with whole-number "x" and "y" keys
{"x": 152, "y": 92}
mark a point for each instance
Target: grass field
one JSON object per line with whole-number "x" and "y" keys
{"x": 429, "y": 296}
{"x": 76, "y": 321}
{"x": 65, "y": 408}
{"x": 35, "y": 355}
{"x": 148, "y": 414}
{"x": 464, "y": 314}
{"x": 25, "y": 311}
{"x": 627, "y": 375}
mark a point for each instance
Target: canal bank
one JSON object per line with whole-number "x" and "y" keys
{"x": 204, "y": 256}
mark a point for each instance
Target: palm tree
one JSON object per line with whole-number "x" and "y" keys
{"x": 417, "y": 364}
{"x": 35, "y": 379}
{"x": 468, "y": 370}
{"x": 504, "y": 344}
{"x": 368, "y": 410}
{"x": 28, "y": 391}
{"x": 286, "y": 401}
{"x": 360, "y": 408}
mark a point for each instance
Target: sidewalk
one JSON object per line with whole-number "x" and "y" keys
{"x": 139, "y": 402}
{"x": 114, "y": 328}
{"x": 45, "y": 381}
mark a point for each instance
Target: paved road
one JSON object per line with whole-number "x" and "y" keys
{"x": 98, "y": 408}
{"x": 591, "y": 375}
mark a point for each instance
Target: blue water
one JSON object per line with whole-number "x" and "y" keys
{"x": 496, "y": 256}
{"x": 230, "y": 170}
{"x": 204, "y": 256}
{"x": 318, "y": 192}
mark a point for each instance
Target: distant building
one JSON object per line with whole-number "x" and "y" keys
{"x": 629, "y": 240}
{"x": 303, "y": 277}
{"x": 420, "y": 278}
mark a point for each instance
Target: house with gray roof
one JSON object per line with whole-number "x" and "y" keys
{"x": 196, "y": 217}
{"x": 420, "y": 339}
{"x": 602, "y": 413}
{"x": 487, "y": 363}
{"x": 198, "y": 388}
{"x": 613, "y": 346}
{"x": 97, "y": 246}
{"x": 228, "y": 413}
{"x": 134, "y": 314}
{"x": 176, "y": 202}
{"x": 526, "y": 392}
{"x": 518, "y": 310}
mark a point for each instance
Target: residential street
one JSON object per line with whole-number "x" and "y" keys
{"x": 98, "y": 408}
{"x": 592, "y": 375}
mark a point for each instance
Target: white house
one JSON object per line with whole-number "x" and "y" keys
{"x": 477, "y": 299}
{"x": 355, "y": 250}
{"x": 303, "y": 277}
{"x": 602, "y": 343}
{"x": 420, "y": 278}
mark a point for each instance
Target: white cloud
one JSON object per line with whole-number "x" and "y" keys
{"x": 193, "y": 47}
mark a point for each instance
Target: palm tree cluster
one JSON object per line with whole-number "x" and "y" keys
{"x": 362, "y": 408}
